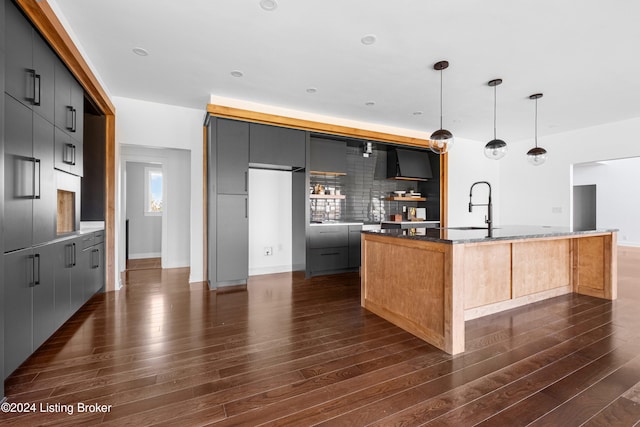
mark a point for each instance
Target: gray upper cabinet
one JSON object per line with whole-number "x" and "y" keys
{"x": 69, "y": 103}
{"x": 44, "y": 206}
{"x": 20, "y": 178}
{"x": 30, "y": 195}
{"x": 233, "y": 238}
{"x": 328, "y": 156}
{"x": 273, "y": 146}
{"x": 29, "y": 65}
{"x": 232, "y": 160}
{"x": 68, "y": 153}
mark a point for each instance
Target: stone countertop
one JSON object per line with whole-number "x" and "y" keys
{"x": 457, "y": 235}
{"x": 319, "y": 224}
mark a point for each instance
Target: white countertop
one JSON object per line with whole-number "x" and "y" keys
{"x": 315, "y": 224}
{"x": 410, "y": 222}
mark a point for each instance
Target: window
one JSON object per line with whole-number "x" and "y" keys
{"x": 153, "y": 191}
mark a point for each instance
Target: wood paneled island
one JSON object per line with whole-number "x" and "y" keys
{"x": 430, "y": 284}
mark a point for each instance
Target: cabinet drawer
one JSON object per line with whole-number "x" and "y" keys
{"x": 329, "y": 236}
{"x": 329, "y": 259}
{"x": 98, "y": 237}
{"x": 88, "y": 240}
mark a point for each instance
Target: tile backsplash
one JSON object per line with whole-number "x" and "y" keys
{"x": 365, "y": 188}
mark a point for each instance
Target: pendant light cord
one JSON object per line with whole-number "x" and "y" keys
{"x": 440, "y": 99}
{"x": 494, "y": 111}
{"x": 536, "y": 129}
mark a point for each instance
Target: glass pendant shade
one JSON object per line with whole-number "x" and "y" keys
{"x": 537, "y": 156}
{"x": 441, "y": 141}
{"x": 495, "y": 149}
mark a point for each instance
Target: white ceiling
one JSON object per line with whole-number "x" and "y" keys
{"x": 582, "y": 54}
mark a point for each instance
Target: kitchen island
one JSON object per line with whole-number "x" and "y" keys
{"x": 430, "y": 284}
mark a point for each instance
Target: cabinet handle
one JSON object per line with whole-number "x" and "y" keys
{"x": 246, "y": 207}
{"x": 246, "y": 181}
{"x": 73, "y": 262}
{"x": 330, "y": 253}
{"x": 35, "y": 99}
{"x": 35, "y": 281}
{"x": 38, "y": 181}
{"x": 69, "y": 118}
{"x": 69, "y": 154}
{"x": 97, "y": 262}
{"x": 73, "y": 119}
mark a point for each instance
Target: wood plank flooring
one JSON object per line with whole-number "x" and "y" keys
{"x": 290, "y": 351}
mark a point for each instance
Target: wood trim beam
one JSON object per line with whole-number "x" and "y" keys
{"x": 45, "y": 20}
{"x": 332, "y": 129}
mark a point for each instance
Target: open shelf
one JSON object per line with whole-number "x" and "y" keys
{"x": 327, "y": 196}
{"x": 328, "y": 173}
{"x": 406, "y": 199}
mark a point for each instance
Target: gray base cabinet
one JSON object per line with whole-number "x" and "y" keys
{"x": 44, "y": 286}
{"x": 18, "y": 283}
{"x": 333, "y": 249}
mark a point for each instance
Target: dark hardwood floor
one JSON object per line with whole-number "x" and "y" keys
{"x": 289, "y": 351}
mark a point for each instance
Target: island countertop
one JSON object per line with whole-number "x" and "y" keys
{"x": 459, "y": 235}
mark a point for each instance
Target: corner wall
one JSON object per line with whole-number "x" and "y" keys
{"x": 541, "y": 195}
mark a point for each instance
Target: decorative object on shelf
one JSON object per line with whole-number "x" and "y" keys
{"x": 399, "y": 193}
{"x": 496, "y": 148}
{"x": 318, "y": 189}
{"x": 441, "y": 140}
{"x": 537, "y": 155}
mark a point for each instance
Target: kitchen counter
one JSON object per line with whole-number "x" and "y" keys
{"x": 430, "y": 284}
{"x": 409, "y": 224}
{"x": 320, "y": 224}
{"x": 457, "y": 235}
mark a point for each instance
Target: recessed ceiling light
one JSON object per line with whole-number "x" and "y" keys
{"x": 369, "y": 39}
{"x": 140, "y": 51}
{"x": 417, "y": 113}
{"x": 237, "y": 73}
{"x": 268, "y": 5}
{"x": 369, "y": 103}
{"x": 311, "y": 90}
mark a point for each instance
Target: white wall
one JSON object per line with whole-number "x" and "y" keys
{"x": 148, "y": 124}
{"x": 468, "y": 164}
{"x": 617, "y": 197}
{"x": 541, "y": 195}
{"x": 145, "y": 231}
{"x": 270, "y": 221}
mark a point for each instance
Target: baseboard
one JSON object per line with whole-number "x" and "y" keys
{"x": 629, "y": 244}
{"x": 270, "y": 270}
{"x": 145, "y": 255}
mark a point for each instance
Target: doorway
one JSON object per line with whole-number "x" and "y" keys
{"x": 155, "y": 186}
{"x": 144, "y": 208}
{"x": 584, "y": 207}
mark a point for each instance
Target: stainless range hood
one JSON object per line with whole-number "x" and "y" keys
{"x": 409, "y": 165}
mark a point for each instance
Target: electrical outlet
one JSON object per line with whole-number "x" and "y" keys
{"x": 268, "y": 251}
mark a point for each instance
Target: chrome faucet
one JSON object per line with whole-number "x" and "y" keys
{"x": 489, "y": 217}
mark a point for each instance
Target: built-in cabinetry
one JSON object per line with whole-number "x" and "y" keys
{"x": 328, "y": 156}
{"x": 234, "y": 146}
{"x": 48, "y": 273}
{"x": 333, "y": 248}
{"x": 44, "y": 286}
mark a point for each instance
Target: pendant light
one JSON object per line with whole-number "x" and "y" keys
{"x": 496, "y": 148}
{"x": 441, "y": 140}
{"x": 537, "y": 155}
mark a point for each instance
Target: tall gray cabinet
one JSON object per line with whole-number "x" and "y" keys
{"x": 2, "y": 72}
{"x": 229, "y": 202}
{"x": 232, "y": 148}
{"x": 42, "y": 268}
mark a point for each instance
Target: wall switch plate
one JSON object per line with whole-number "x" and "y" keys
{"x": 268, "y": 251}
